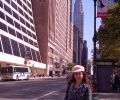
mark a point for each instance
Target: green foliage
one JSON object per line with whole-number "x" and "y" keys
{"x": 70, "y": 66}
{"x": 109, "y": 34}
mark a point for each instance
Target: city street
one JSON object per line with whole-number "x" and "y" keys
{"x": 41, "y": 89}
{"x": 36, "y": 89}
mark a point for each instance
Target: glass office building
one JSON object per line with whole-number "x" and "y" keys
{"x": 17, "y": 33}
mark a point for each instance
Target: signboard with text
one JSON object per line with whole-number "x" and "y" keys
{"x": 102, "y": 7}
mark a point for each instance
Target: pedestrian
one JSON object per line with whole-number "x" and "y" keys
{"x": 78, "y": 89}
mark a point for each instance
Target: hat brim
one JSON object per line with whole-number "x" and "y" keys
{"x": 78, "y": 71}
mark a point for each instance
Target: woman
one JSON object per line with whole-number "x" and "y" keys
{"x": 78, "y": 89}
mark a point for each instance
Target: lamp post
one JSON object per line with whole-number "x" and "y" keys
{"x": 94, "y": 44}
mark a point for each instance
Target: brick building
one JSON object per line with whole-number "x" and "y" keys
{"x": 54, "y": 33}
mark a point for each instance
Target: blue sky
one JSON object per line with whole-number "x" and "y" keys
{"x": 88, "y": 8}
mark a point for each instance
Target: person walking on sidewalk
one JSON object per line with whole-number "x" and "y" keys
{"x": 78, "y": 89}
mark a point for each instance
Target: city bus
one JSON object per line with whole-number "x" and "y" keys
{"x": 15, "y": 72}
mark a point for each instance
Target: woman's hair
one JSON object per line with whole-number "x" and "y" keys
{"x": 84, "y": 80}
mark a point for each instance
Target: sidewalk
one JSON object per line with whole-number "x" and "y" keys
{"x": 47, "y": 77}
{"x": 106, "y": 96}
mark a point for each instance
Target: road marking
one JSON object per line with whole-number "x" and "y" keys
{"x": 44, "y": 95}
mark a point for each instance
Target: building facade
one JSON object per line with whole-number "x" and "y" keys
{"x": 18, "y": 42}
{"x": 84, "y": 54}
{"x": 54, "y": 32}
{"x": 78, "y": 32}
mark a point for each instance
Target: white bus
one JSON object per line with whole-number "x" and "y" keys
{"x": 15, "y": 72}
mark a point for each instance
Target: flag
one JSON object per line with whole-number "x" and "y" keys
{"x": 102, "y": 7}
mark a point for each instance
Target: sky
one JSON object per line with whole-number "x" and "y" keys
{"x": 88, "y": 9}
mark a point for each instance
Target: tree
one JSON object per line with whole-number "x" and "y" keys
{"x": 109, "y": 33}
{"x": 70, "y": 66}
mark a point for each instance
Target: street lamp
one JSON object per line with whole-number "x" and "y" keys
{"x": 94, "y": 44}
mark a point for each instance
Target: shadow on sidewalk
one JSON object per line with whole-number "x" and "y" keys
{"x": 106, "y": 96}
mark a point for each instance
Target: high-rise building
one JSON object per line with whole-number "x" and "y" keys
{"x": 78, "y": 32}
{"x": 84, "y": 54}
{"x": 54, "y": 32}
{"x": 18, "y": 42}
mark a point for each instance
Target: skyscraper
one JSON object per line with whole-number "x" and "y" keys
{"x": 18, "y": 43}
{"x": 54, "y": 32}
{"x": 84, "y": 54}
{"x": 78, "y": 31}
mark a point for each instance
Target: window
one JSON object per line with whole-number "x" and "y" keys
{"x": 22, "y": 20}
{"x": 34, "y": 55}
{"x": 19, "y": 35}
{"x": 27, "y": 24}
{"x": 31, "y": 42}
{"x": 9, "y": 20}
{"x": 0, "y": 46}
{"x": 29, "y": 4}
{"x": 38, "y": 56}
{"x": 24, "y": 1}
{"x": 24, "y": 7}
{"x": 6, "y": 44}
{"x": 1, "y": 4}
{"x": 35, "y": 44}
{"x": 32, "y": 28}
{"x": 2, "y": 15}
{"x": 8, "y": 1}
{"x": 14, "y": 5}
{"x": 15, "y": 48}
{"x": 3, "y": 27}
{"x": 30, "y": 12}
{"x": 31, "y": 20}
{"x": 11, "y": 31}
{"x": 26, "y": 16}
{"x": 51, "y": 50}
{"x": 20, "y": 11}
{"x": 34, "y": 36}
{"x": 22, "y": 50}
{"x": 24, "y": 29}
{"x": 7, "y": 9}
{"x": 25, "y": 38}
{"x": 29, "y": 54}
{"x": 17, "y": 69}
{"x": 17, "y": 25}
{"x": 15, "y": 15}
{"x": 29, "y": 33}
{"x": 19, "y": 2}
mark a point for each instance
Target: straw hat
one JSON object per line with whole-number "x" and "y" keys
{"x": 78, "y": 68}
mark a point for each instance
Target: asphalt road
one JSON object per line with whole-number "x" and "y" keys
{"x": 41, "y": 89}
{"x": 37, "y": 89}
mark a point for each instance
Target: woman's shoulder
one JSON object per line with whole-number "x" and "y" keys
{"x": 85, "y": 85}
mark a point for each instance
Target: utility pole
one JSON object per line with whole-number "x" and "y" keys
{"x": 94, "y": 53}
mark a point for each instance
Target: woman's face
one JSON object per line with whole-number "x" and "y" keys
{"x": 78, "y": 75}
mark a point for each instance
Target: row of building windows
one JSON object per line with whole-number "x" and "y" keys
{"x": 17, "y": 25}
{"x": 15, "y": 15}
{"x": 17, "y": 34}
{"x": 7, "y": 9}
{"x": 21, "y": 4}
{"x": 26, "y": 2}
{"x": 10, "y": 46}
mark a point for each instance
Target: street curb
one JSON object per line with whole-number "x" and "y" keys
{"x": 32, "y": 78}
